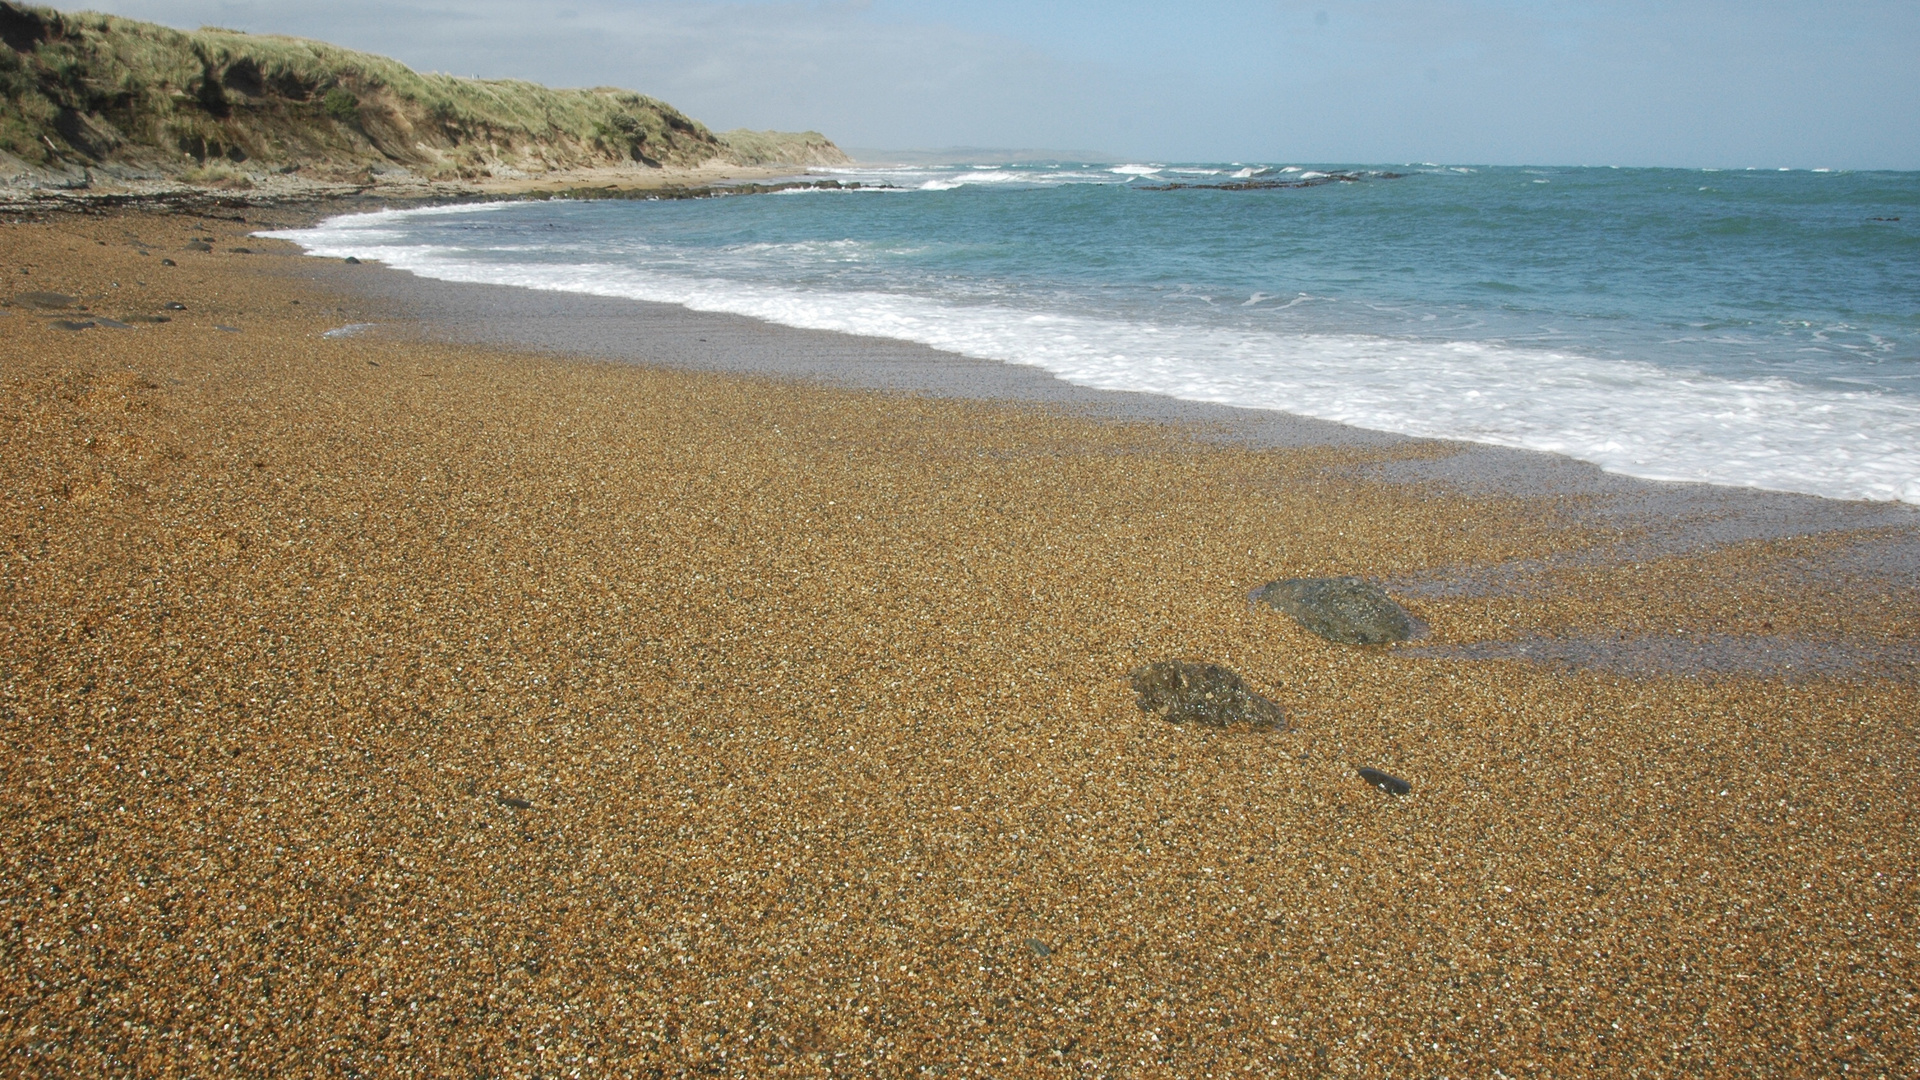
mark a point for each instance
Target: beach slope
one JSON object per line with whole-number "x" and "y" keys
{"x": 380, "y": 704}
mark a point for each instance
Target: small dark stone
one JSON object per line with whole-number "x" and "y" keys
{"x": 351, "y": 261}
{"x": 1180, "y": 692}
{"x": 71, "y": 324}
{"x": 199, "y": 245}
{"x": 1386, "y": 782}
{"x": 517, "y": 804}
{"x": 45, "y": 299}
{"x": 1348, "y": 610}
{"x": 168, "y": 262}
{"x": 174, "y": 305}
{"x": 1039, "y": 947}
{"x": 241, "y": 251}
{"x": 228, "y": 329}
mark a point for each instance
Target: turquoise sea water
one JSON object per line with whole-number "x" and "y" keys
{"x": 1751, "y": 328}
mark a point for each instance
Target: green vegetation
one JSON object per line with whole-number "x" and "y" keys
{"x": 781, "y": 147}
{"x": 101, "y": 90}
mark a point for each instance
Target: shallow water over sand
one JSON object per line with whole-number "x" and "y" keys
{"x": 1751, "y": 329}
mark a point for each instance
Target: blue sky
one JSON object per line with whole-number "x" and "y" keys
{"x": 1600, "y": 82}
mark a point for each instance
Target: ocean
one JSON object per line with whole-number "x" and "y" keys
{"x": 1750, "y": 328}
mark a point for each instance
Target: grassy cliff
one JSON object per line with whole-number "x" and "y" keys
{"x": 105, "y": 92}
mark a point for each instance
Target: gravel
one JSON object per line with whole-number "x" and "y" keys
{"x": 819, "y": 702}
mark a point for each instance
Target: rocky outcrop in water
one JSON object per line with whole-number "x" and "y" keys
{"x": 1183, "y": 692}
{"x": 1348, "y": 610}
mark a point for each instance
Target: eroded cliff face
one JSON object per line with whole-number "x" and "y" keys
{"x": 84, "y": 93}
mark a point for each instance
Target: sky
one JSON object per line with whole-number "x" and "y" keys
{"x": 1719, "y": 83}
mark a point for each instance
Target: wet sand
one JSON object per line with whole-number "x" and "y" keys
{"x": 401, "y": 703}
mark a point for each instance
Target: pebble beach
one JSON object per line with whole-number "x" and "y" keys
{"x": 380, "y": 704}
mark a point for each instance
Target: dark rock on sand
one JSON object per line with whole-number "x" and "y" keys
{"x": 71, "y": 324}
{"x": 1182, "y": 692}
{"x": 199, "y": 245}
{"x": 351, "y": 261}
{"x": 240, "y": 251}
{"x": 228, "y": 329}
{"x": 168, "y": 262}
{"x": 45, "y": 300}
{"x": 174, "y": 305}
{"x": 517, "y": 804}
{"x": 1039, "y": 947}
{"x": 1348, "y": 610}
{"x": 1386, "y": 782}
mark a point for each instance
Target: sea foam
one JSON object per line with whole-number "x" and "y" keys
{"x": 1630, "y": 417}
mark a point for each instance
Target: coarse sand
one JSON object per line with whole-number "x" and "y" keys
{"x": 378, "y": 706}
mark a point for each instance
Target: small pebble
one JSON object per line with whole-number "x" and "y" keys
{"x": 1386, "y": 782}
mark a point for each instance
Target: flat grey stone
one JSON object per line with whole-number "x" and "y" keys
{"x": 45, "y": 300}
{"x": 1182, "y": 692}
{"x": 1348, "y": 610}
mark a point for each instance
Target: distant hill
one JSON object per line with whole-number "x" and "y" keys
{"x": 139, "y": 99}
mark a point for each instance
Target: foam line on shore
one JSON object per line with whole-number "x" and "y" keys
{"x": 1633, "y": 418}
{"x": 1664, "y": 517}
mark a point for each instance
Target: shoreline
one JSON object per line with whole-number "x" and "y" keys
{"x": 320, "y": 198}
{"x": 463, "y": 697}
{"x": 1670, "y": 516}
{"x": 1740, "y": 463}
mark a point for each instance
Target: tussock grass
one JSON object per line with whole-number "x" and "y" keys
{"x": 96, "y": 89}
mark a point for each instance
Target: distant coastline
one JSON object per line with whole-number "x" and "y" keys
{"x": 982, "y": 155}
